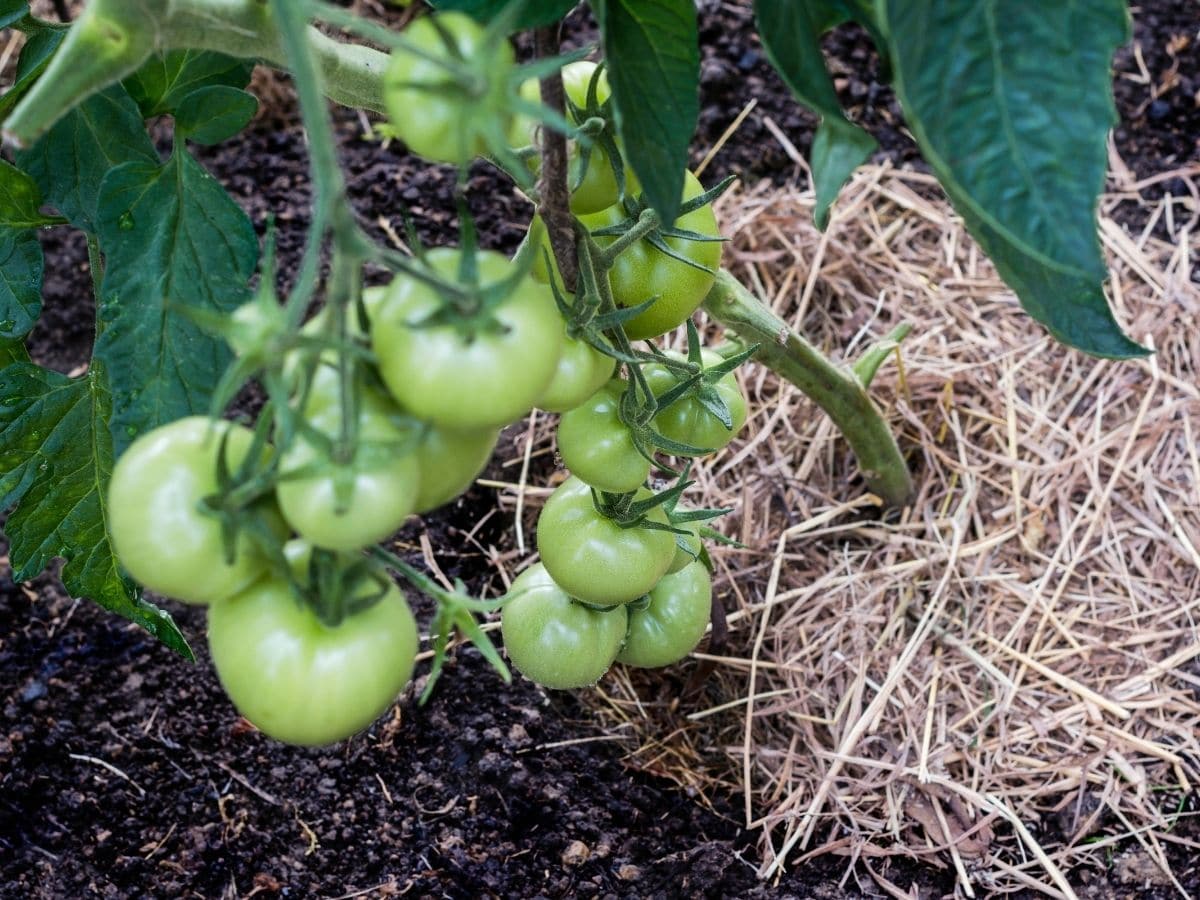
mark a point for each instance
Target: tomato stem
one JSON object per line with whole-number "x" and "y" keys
{"x": 553, "y": 190}
{"x": 834, "y": 388}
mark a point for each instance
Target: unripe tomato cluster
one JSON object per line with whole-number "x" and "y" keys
{"x": 390, "y": 405}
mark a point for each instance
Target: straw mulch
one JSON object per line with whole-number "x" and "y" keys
{"x": 1003, "y": 679}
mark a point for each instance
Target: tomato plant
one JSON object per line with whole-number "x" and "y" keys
{"x": 305, "y": 681}
{"x": 129, "y": 462}
{"x": 555, "y": 640}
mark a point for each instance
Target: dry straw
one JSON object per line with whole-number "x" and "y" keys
{"x": 1004, "y": 678}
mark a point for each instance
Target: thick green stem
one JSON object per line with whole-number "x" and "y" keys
{"x": 833, "y": 388}
{"x": 112, "y": 38}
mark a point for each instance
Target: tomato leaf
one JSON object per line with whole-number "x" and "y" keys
{"x": 71, "y": 159}
{"x": 20, "y": 199}
{"x": 12, "y": 11}
{"x": 652, "y": 49}
{"x": 20, "y": 282}
{"x": 1015, "y": 124}
{"x": 57, "y": 456}
{"x": 166, "y": 80}
{"x": 12, "y": 350}
{"x": 173, "y": 241}
{"x": 35, "y": 56}
{"x": 791, "y": 34}
{"x": 534, "y": 13}
{"x": 212, "y": 114}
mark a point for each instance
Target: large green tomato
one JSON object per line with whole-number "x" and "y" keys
{"x": 487, "y": 379}
{"x": 450, "y": 461}
{"x": 593, "y": 558}
{"x": 598, "y": 447}
{"x": 159, "y": 530}
{"x": 671, "y": 626}
{"x": 383, "y": 480}
{"x": 686, "y": 421}
{"x": 300, "y": 680}
{"x": 582, "y": 370}
{"x": 642, "y": 271}
{"x": 435, "y": 116}
{"x": 555, "y": 641}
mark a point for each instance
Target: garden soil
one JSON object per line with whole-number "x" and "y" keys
{"x": 125, "y": 772}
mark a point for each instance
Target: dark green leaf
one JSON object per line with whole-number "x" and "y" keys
{"x": 35, "y": 56}
{"x": 55, "y": 460}
{"x": 212, "y": 114}
{"x": 534, "y": 14}
{"x": 166, "y": 79}
{"x": 173, "y": 240}
{"x": 791, "y": 34}
{"x": 20, "y": 199}
{"x": 12, "y": 351}
{"x": 12, "y": 11}
{"x": 654, "y": 69}
{"x": 1011, "y": 104}
{"x": 71, "y": 159}
{"x": 20, "y": 282}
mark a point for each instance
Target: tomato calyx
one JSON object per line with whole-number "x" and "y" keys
{"x": 642, "y": 223}
{"x": 331, "y": 583}
{"x": 468, "y": 305}
{"x": 626, "y": 511}
{"x": 699, "y": 381}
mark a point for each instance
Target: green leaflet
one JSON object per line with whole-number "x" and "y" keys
{"x": 20, "y": 281}
{"x": 1011, "y": 104}
{"x": 174, "y": 241}
{"x": 56, "y": 456}
{"x": 653, "y": 56}
{"x": 167, "y": 79}
{"x": 791, "y": 33}
{"x": 71, "y": 159}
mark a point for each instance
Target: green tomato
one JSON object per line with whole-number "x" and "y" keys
{"x": 642, "y": 271}
{"x": 382, "y": 481}
{"x": 598, "y": 447}
{"x": 555, "y": 641}
{"x": 582, "y": 370}
{"x": 671, "y": 626}
{"x": 434, "y": 115}
{"x": 450, "y": 461}
{"x": 592, "y": 557}
{"x": 486, "y": 380}
{"x": 304, "y": 682}
{"x": 160, "y": 532}
{"x": 686, "y": 421}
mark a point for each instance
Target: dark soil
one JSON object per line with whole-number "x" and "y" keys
{"x": 124, "y": 772}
